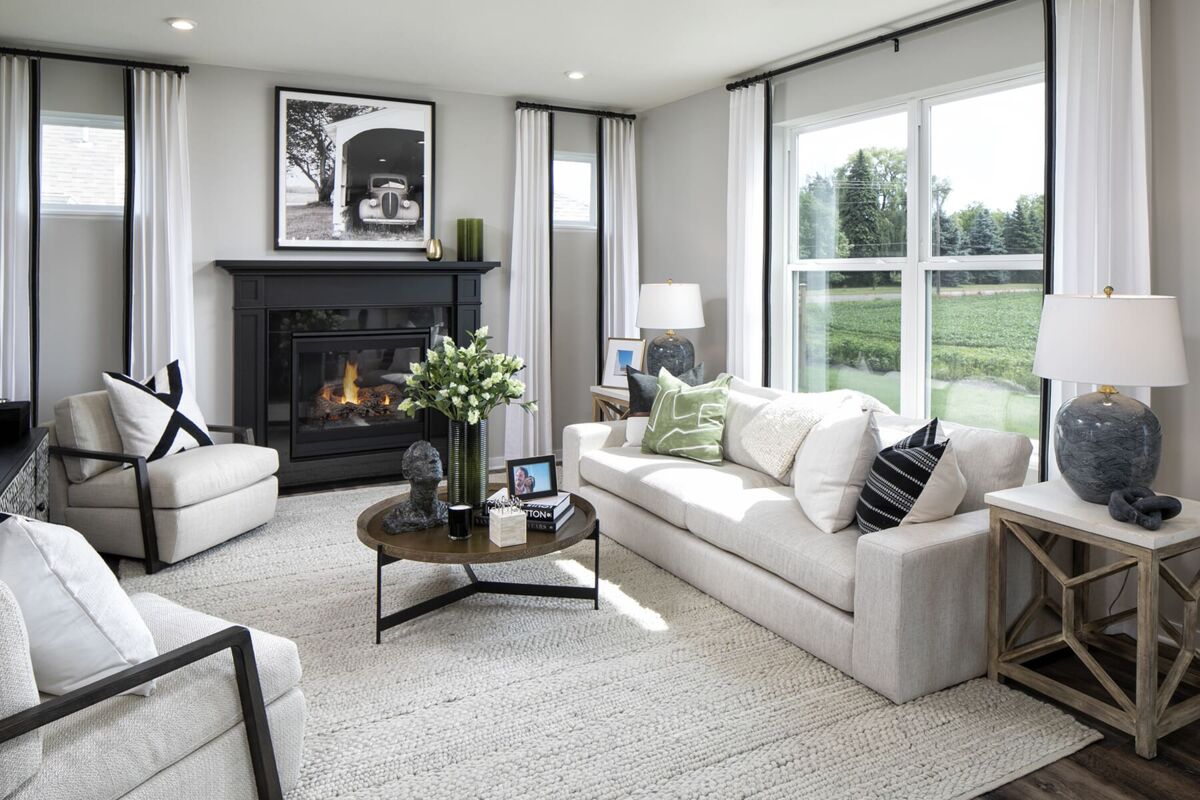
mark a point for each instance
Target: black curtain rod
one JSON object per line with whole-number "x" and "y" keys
{"x": 569, "y": 110}
{"x": 892, "y": 37}
{"x": 112, "y": 62}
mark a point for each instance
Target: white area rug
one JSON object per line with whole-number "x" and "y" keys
{"x": 663, "y": 692}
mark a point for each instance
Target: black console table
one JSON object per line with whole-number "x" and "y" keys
{"x": 25, "y": 476}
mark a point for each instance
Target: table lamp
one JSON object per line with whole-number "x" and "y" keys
{"x": 1105, "y": 440}
{"x": 667, "y": 307}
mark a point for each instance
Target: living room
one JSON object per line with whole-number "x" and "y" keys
{"x": 521, "y": 402}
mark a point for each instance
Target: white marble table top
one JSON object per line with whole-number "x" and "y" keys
{"x": 611, "y": 391}
{"x": 1054, "y": 501}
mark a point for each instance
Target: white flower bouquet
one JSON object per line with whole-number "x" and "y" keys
{"x": 465, "y": 383}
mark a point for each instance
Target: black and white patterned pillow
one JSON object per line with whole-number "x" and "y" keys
{"x": 915, "y": 480}
{"x": 159, "y": 417}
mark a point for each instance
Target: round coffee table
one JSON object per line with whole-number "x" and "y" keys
{"x": 435, "y": 546}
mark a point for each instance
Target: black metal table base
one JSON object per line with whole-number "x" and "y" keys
{"x": 476, "y": 586}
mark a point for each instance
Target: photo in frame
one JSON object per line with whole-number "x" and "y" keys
{"x": 352, "y": 171}
{"x": 619, "y": 354}
{"x": 529, "y": 478}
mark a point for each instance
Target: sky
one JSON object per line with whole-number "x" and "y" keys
{"x": 990, "y": 147}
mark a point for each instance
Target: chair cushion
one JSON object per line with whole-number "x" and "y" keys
{"x": 127, "y": 740}
{"x": 19, "y": 759}
{"x": 989, "y": 460}
{"x": 182, "y": 479}
{"x": 81, "y": 625}
{"x": 664, "y": 485}
{"x": 86, "y": 421}
{"x": 157, "y": 417}
{"x": 768, "y": 528}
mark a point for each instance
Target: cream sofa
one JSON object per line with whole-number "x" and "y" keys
{"x": 902, "y": 610}
{"x": 186, "y": 740}
{"x": 162, "y": 511}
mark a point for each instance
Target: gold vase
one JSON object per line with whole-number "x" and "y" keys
{"x": 433, "y": 250}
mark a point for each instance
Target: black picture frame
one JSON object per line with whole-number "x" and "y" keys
{"x": 511, "y": 466}
{"x": 344, "y": 220}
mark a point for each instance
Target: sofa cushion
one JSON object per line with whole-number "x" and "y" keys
{"x": 182, "y": 479}
{"x": 127, "y": 740}
{"x": 20, "y": 758}
{"x": 745, "y": 401}
{"x": 768, "y": 528}
{"x": 687, "y": 421}
{"x": 81, "y": 625}
{"x": 664, "y": 485}
{"x": 990, "y": 460}
{"x": 85, "y": 421}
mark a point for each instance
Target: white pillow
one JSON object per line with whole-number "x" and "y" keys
{"x": 635, "y": 429}
{"x": 82, "y": 626}
{"x": 942, "y": 493}
{"x": 832, "y": 466}
{"x": 158, "y": 417}
{"x": 777, "y": 429}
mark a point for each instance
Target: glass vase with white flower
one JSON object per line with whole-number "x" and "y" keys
{"x": 466, "y": 384}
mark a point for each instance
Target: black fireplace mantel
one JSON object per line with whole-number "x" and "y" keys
{"x": 261, "y": 287}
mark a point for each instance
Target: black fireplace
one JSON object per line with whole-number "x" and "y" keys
{"x": 322, "y": 353}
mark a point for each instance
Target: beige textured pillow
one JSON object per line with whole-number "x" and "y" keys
{"x": 772, "y": 437}
{"x": 832, "y": 465}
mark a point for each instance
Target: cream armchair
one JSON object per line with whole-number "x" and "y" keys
{"x": 163, "y": 511}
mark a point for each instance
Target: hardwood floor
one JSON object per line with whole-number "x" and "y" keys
{"x": 1109, "y": 769}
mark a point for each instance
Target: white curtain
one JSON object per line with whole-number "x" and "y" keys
{"x": 15, "y": 211}
{"x": 529, "y": 285}
{"x": 744, "y": 231}
{"x": 620, "y": 234}
{"x": 1102, "y": 144}
{"x": 161, "y": 252}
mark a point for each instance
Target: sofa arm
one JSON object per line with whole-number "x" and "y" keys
{"x": 920, "y": 606}
{"x": 582, "y": 438}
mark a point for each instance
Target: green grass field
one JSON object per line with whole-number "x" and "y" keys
{"x": 981, "y": 354}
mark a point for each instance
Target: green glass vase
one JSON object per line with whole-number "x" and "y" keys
{"x": 467, "y": 474}
{"x": 470, "y": 239}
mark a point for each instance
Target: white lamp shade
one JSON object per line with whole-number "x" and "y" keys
{"x": 670, "y": 306}
{"x": 1123, "y": 340}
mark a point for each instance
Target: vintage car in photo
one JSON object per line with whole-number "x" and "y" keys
{"x": 387, "y": 202}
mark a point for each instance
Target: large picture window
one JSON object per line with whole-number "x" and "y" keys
{"x": 914, "y": 254}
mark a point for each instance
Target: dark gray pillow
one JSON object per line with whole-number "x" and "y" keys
{"x": 643, "y": 387}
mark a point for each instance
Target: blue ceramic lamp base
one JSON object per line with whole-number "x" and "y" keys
{"x": 1104, "y": 442}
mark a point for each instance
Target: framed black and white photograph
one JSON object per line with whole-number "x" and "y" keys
{"x": 532, "y": 477}
{"x": 618, "y": 355}
{"x": 352, "y": 171}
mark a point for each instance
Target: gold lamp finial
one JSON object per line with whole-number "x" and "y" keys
{"x": 1108, "y": 290}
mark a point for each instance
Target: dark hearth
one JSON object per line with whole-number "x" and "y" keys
{"x": 322, "y": 353}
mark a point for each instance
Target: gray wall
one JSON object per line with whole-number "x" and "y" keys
{"x": 231, "y": 131}
{"x": 682, "y": 153}
{"x": 1175, "y": 194}
{"x": 80, "y": 322}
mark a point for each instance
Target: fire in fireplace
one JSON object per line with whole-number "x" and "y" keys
{"x": 348, "y": 387}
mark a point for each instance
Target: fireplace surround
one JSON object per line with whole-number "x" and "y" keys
{"x": 321, "y": 352}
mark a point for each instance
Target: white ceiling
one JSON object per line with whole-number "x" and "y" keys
{"x": 637, "y": 53}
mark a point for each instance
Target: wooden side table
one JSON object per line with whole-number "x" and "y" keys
{"x": 609, "y": 404}
{"x": 1038, "y": 516}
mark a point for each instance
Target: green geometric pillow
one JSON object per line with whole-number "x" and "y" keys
{"x": 687, "y": 421}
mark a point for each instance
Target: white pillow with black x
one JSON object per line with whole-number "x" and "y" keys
{"x": 159, "y": 417}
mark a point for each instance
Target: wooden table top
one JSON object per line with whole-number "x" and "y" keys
{"x": 434, "y": 545}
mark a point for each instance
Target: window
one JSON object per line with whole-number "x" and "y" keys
{"x": 914, "y": 254}
{"x": 83, "y": 164}
{"x": 574, "y": 190}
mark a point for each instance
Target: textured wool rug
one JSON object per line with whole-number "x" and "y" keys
{"x": 663, "y": 692}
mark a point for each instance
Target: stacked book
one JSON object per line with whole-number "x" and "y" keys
{"x": 547, "y": 514}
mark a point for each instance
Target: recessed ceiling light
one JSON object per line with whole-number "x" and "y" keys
{"x": 181, "y": 24}
{"x": 574, "y": 75}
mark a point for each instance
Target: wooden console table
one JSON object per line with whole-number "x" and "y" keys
{"x": 1037, "y": 517}
{"x": 609, "y": 404}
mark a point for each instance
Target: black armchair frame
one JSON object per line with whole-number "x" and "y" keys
{"x": 254, "y": 711}
{"x": 142, "y": 480}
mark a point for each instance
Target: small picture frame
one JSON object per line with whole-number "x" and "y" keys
{"x": 619, "y": 354}
{"x": 532, "y": 477}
